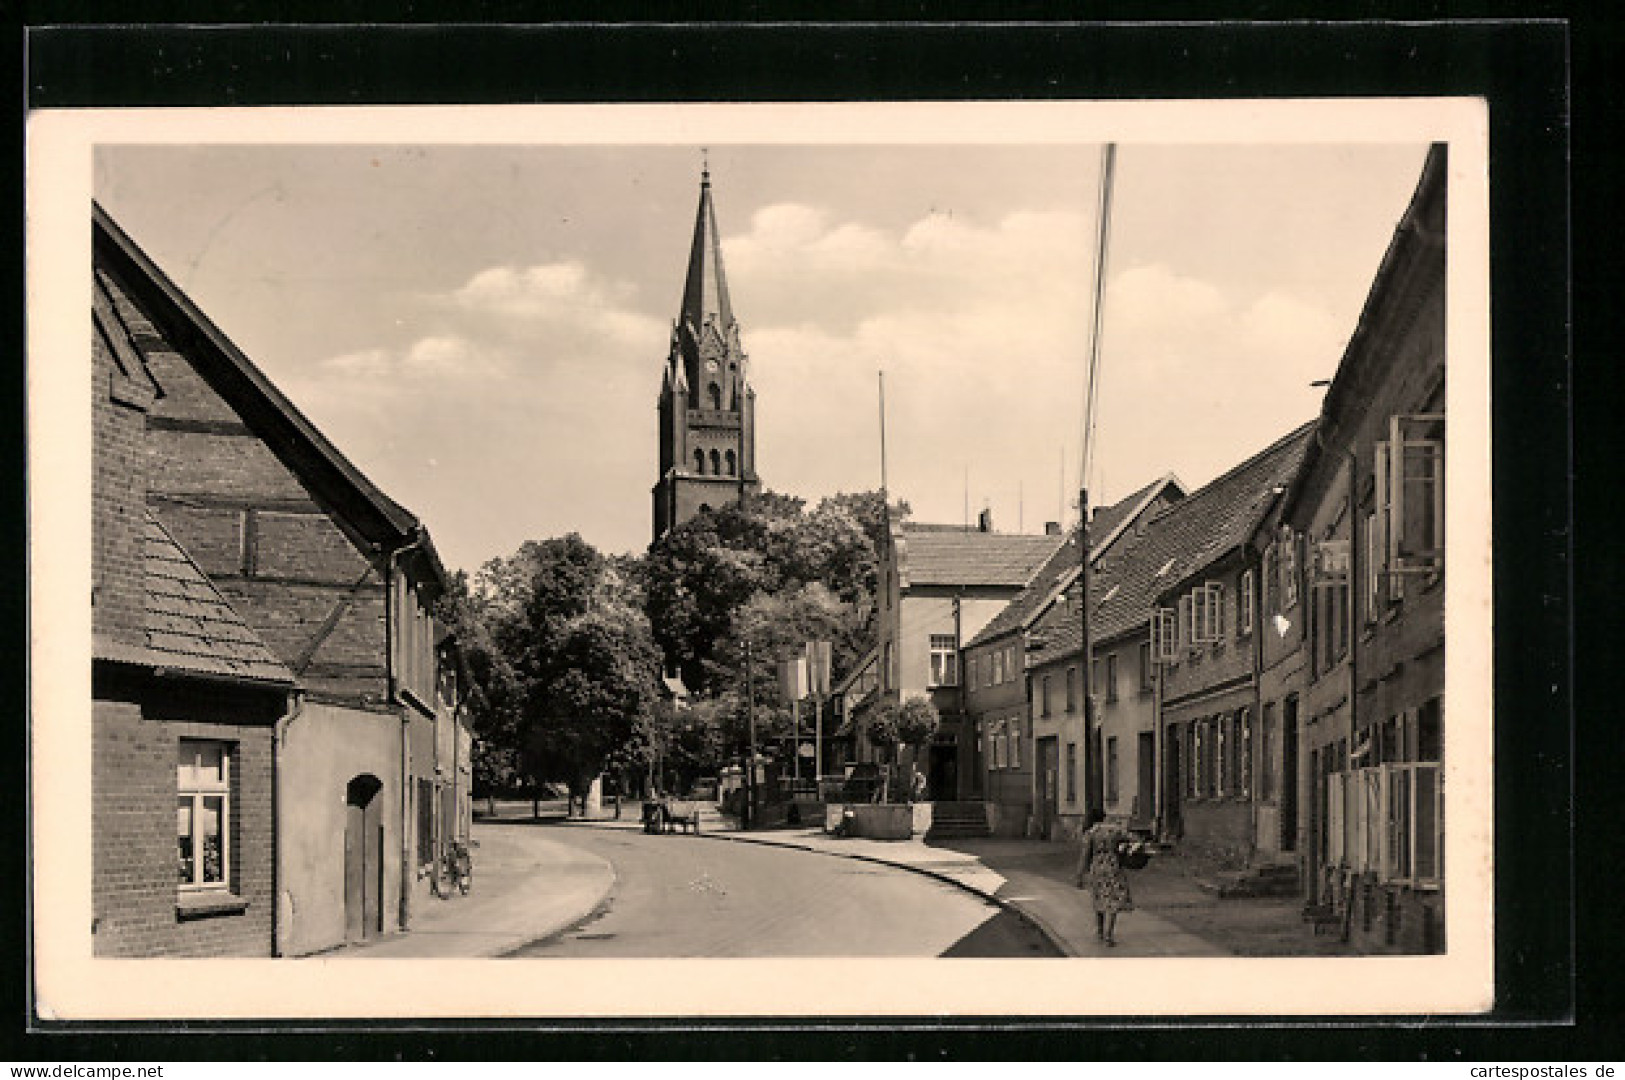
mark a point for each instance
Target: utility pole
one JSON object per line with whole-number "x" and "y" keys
{"x": 750, "y": 725}
{"x": 1094, "y": 778}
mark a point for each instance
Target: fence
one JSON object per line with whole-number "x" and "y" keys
{"x": 1388, "y": 820}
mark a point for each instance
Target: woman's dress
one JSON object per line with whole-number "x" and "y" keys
{"x": 1106, "y": 878}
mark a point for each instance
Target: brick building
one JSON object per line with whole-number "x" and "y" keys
{"x": 1363, "y": 531}
{"x": 1050, "y": 701}
{"x": 336, "y": 579}
{"x": 707, "y": 406}
{"x": 185, "y": 697}
{"x": 1204, "y": 635}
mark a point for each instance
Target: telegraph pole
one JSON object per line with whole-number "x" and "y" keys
{"x": 750, "y": 724}
{"x": 1094, "y": 778}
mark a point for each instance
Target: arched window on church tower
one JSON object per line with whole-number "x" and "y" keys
{"x": 716, "y": 463}
{"x": 733, "y": 464}
{"x": 714, "y": 394}
{"x": 699, "y": 461}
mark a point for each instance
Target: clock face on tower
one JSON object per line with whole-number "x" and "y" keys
{"x": 711, "y": 366}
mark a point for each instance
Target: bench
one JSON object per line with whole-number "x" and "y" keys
{"x": 666, "y": 816}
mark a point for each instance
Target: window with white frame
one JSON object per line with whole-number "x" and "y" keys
{"x": 1272, "y": 579}
{"x": 1244, "y": 753}
{"x": 1187, "y": 623}
{"x": 1388, "y": 820}
{"x": 1408, "y": 475}
{"x": 203, "y": 813}
{"x": 1015, "y": 742}
{"x": 1244, "y": 605}
{"x": 1289, "y": 568}
{"x": 997, "y": 744}
{"x": 1375, "y": 558}
{"x": 1164, "y": 635}
{"x": 944, "y": 660}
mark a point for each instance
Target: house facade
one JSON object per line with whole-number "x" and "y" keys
{"x": 1205, "y": 629}
{"x": 940, "y": 585}
{"x": 1121, "y": 592}
{"x": 1365, "y": 525}
{"x": 186, "y": 699}
{"x": 1051, "y": 756}
{"x": 339, "y": 582}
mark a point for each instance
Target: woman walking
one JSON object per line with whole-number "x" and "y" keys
{"x": 1099, "y": 866}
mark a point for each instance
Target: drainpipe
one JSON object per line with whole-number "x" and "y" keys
{"x": 1353, "y": 624}
{"x": 279, "y": 843}
{"x": 391, "y": 642}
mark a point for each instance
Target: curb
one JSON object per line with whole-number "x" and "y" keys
{"x": 598, "y": 907}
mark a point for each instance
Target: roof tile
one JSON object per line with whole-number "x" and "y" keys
{"x": 934, "y": 556}
{"x": 1177, "y": 543}
{"x": 1102, "y": 526}
{"x": 189, "y": 625}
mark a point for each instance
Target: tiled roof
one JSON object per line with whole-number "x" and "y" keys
{"x": 1062, "y": 566}
{"x": 1177, "y": 543}
{"x": 190, "y": 626}
{"x": 932, "y": 556}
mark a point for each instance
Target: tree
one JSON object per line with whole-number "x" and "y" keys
{"x": 911, "y": 723}
{"x": 599, "y": 680}
{"x": 706, "y": 570}
{"x": 564, "y": 666}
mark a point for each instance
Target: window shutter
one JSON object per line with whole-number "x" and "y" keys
{"x": 1245, "y": 613}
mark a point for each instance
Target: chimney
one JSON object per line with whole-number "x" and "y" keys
{"x": 1052, "y": 528}
{"x": 984, "y": 521}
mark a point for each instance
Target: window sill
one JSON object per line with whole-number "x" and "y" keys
{"x": 204, "y": 905}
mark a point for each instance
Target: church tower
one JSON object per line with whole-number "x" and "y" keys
{"x": 707, "y": 406}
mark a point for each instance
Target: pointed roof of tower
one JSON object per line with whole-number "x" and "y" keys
{"x": 705, "y": 292}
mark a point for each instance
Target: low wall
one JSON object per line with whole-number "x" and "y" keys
{"x": 877, "y": 821}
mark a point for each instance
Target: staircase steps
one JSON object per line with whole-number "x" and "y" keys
{"x": 952, "y": 820}
{"x": 1269, "y": 879}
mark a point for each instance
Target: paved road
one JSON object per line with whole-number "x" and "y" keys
{"x": 685, "y": 896}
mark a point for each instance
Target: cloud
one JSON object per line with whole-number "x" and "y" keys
{"x": 983, "y": 330}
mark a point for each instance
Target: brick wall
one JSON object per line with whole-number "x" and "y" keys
{"x": 135, "y": 734}
{"x": 117, "y": 501}
{"x": 282, "y": 557}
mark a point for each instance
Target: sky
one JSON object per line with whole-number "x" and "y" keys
{"x": 481, "y": 329}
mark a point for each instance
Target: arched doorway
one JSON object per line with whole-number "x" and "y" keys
{"x": 363, "y": 858}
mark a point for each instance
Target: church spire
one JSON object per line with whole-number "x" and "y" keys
{"x": 705, "y": 292}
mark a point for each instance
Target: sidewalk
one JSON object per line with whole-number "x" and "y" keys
{"x": 526, "y": 886}
{"x": 1173, "y": 917}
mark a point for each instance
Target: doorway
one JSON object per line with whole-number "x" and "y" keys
{"x": 1289, "y": 775}
{"x": 943, "y": 772}
{"x": 1145, "y": 801}
{"x": 363, "y": 858}
{"x": 1172, "y": 827}
{"x": 1049, "y": 773}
